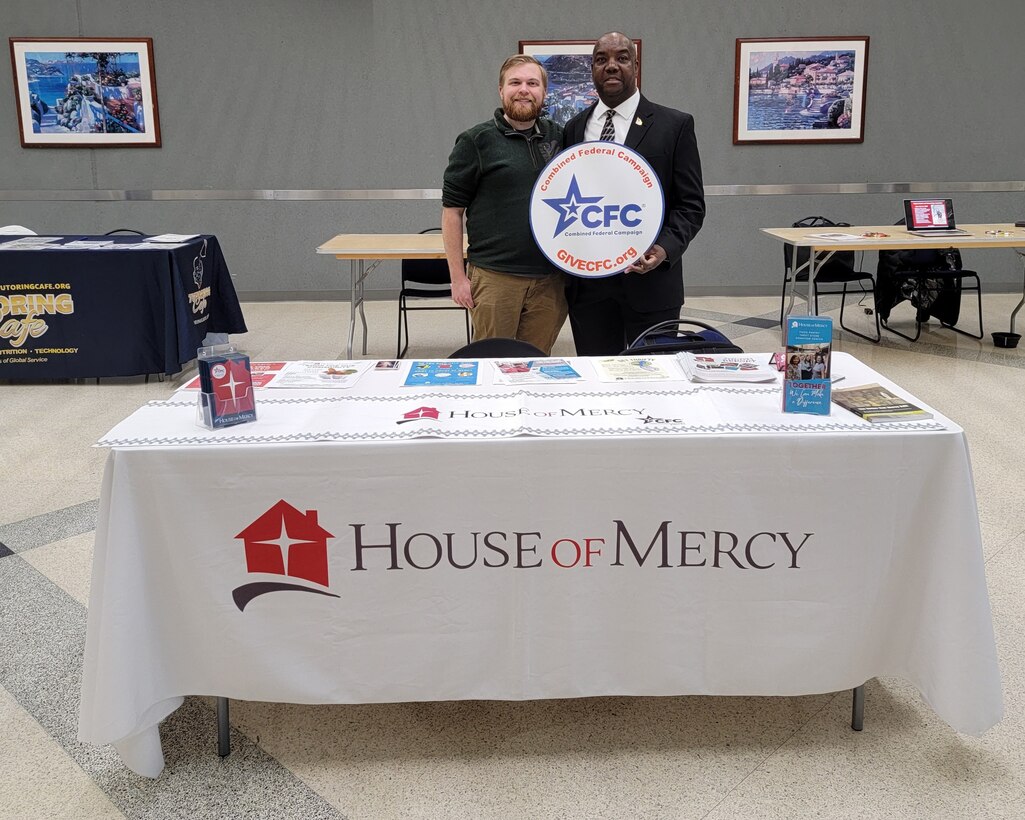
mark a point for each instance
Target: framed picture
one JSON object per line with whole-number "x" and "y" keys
{"x": 568, "y": 63}
{"x": 800, "y": 89}
{"x": 82, "y": 92}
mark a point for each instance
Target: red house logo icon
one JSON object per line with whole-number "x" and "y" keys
{"x": 420, "y": 414}
{"x": 286, "y": 542}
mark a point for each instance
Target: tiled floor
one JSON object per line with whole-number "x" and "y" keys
{"x": 688, "y": 757}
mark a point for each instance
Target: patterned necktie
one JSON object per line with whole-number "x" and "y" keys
{"x": 608, "y": 130}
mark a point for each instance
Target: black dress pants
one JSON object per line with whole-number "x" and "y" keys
{"x": 603, "y": 323}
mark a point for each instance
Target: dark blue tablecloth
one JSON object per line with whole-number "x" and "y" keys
{"x": 92, "y": 312}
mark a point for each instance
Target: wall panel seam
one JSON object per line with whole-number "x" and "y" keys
{"x": 413, "y": 194}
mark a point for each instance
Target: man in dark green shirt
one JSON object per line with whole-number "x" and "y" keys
{"x": 510, "y": 288}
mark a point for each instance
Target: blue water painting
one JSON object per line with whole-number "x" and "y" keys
{"x": 97, "y": 93}
{"x": 800, "y": 90}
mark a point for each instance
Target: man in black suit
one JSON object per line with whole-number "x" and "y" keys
{"x": 607, "y": 314}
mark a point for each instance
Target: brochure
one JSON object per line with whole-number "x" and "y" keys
{"x": 449, "y": 373}
{"x": 226, "y": 396}
{"x": 534, "y": 371}
{"x": 875, "y": 403}
{"x": 331, "y": 375}
{"x": 636, "y": 369}
{"x": 806, "y": 380}
{"x": 262, "y": 373}
{"x": 726, "y": 367}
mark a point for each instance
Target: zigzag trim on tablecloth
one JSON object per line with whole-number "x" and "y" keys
{"x": 647, "y": 430}
{"x": 420, "y": 394}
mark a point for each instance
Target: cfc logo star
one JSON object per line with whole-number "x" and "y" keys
{"x": 568, "y": 206}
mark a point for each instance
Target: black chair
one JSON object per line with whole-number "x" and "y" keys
{"x": 673, "y": 337}
{"x": 498, "y": 347}
{"x": 932, "y": 280}
{"x": 431, "y": 280}
{"x": 839, "y": 269}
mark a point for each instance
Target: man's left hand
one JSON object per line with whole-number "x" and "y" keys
{"x": 654, "y": 257}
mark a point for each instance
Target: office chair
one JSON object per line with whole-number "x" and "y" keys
{"x": 17, "y": 230}
{"x": 672, "y": 337}
{"x": 932, "y": 280}
{"x": 431, "y": 280}
{"x": 840, "y": 269}
{"x": 124, "y": 230}
{"x": 498, "y": 347}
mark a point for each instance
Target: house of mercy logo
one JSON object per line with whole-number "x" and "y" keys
{"x": 596, "y": 208}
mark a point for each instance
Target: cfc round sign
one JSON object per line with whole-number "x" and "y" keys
{"x": 596, "y": 208}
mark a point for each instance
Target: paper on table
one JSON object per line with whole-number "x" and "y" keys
{"x": 535, "y": 371}
{"x": 79, "y": 244}
{"x": 449, "y": 373}
{"x": 637, "y": 369}
{"x": 333, "y": 375}
{"x": 145, "y": 246}
{"x": 836, "y": 237}
{"x": 29, "y": 242}
{"x": 171, "y": 237}
{"x": 726, "y": 367}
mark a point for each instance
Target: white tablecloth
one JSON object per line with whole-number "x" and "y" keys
{"x": 746, "y": 554}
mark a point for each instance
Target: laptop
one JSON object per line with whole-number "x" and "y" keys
{"x": 931, "y": 217}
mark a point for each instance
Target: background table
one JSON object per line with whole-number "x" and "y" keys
{"x": 896, "y": 237}
{"x": 361, "y": 249}
{"x": 642, "y": 542}
{"x": 133, "y": 311}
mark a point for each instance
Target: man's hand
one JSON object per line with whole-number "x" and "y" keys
{"x": 452, "y": 237}
{"x": 652, "y": 258}
{"x": 461, "y": 292}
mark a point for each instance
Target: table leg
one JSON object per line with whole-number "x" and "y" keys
{"x": 358, "y": 272}
{"x": 793, "y": 282}
{"x": 362, "y": 315}
{"x": 858, "y": 708}
{"x": 810, "y": 264}
{"x": 355, "y": 277}
{"x": 1017, "y": 307}
{"x": 811, "y": 278}
{"x": 223, "y": 729}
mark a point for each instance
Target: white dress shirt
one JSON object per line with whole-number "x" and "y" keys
{"x": 622, "y": 119}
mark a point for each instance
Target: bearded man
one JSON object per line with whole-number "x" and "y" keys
{"x": 508, "y": 285}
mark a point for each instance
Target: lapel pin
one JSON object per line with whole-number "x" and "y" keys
{"x": 638, "y": 121}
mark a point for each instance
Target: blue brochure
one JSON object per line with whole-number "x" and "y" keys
{"x": 806, "y": 382}
{"x": 448, "y": 373}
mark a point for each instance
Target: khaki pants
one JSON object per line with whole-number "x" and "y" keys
{"x": 517, "y": 307}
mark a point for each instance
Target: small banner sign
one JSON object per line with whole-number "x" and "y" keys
{"x": 596, "y": 208}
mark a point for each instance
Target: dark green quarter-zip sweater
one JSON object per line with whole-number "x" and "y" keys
{"x": 491, "y": 173}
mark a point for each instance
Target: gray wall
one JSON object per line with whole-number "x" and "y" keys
{"x": 331, "y": 94}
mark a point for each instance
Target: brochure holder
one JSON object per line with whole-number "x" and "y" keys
{"x": 808, "y": 359}
{"x": 226, "y": 393}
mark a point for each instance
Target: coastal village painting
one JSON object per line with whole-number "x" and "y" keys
{"x": 85, "y": 92}
{"x": 800, "y": 90}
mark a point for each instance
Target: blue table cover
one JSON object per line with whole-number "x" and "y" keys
{"x": 88, "y": 312}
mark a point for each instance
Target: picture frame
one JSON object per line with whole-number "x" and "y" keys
{"x": 800, "y": 89}
{"x": 85, "y": 92}
{"x": 570, "y": 84}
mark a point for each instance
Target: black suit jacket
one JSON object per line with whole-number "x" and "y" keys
{"x": 665, "y": 138}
